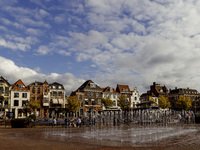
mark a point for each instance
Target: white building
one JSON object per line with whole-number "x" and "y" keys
{"x": 135, "y": 98}
{"x": 113, "y": 95}
{"x": 20, "y": 97}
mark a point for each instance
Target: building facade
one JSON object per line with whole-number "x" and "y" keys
{"x": 57, "y": 99}
{"x": 5, "y": 88}
{"x": 187, "y": 92}
{"x": 91, "y": 97}
{"x": 20, "y": 96}
{"x": 135, "y": 98}
{"x": 113, "y": 95}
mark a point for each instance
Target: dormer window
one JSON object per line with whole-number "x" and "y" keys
{"x": 20, "y": 86}
{"x": 125, "y": 90}
{"x": 60, "y": 87}
{"x": 111, "y": 90}
{"x": 53, "y": 86}
{"x": 92, "y": 85}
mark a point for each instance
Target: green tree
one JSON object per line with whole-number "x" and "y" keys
{"x": 183, "y": 103}
{"x": 107, "y": 102}
{"x": 163, "y": 102}
{"x": 34, "y": 104}
{"x": 123, "y": 103}
{"x": 73, "y": 104}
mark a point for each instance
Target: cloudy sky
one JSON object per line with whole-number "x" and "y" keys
{"x": 132, "y": 42}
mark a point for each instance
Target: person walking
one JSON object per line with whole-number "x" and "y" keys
{"x": 54, "y": 121}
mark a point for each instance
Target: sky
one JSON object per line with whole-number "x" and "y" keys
{"x": 129, "y": 42}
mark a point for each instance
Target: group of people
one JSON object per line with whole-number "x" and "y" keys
{"x": 189, "y": 117}
{"x": 73, "y": 122}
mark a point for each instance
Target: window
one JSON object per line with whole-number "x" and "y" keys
{"x": 20, "y": 86}
{"x": 6, "y": 102}
{"x": 53, "y": 86}
{"x": 114, "y": 96}
{"x": 24, "y": 95}
{"x": 16, "y": 103}
{"x": 24, "y": 103}
{"x": 38, "y": 90}
{"x": 86, "y": 101}
{"x": 97, "y": 94}
{"x": 92, "y": 85}
{"x": 136, "y": 98}
{"x": 92, "y": 94}
{"x": 7, "y": 91}
{"x": 16, "y": 95}
{"x": 33, "y": 90}
{"x": 81, "y": 104}
{"x": 60, "y": 94}
{"x": 1, "y": 90}
{"x": 54, "y": 93}
{"x": 89, "y": 94}
{"x": 93, "y": 101}
{"x": 45, "y": 90}
{"x": 60, "y": 87}
{"x": 38, "y": 97}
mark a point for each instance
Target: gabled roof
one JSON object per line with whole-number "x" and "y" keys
{"x": 123, "y": 88}
{"x": 19, "y": 85}
{"x": 5, "y": 81}
{"x": 109, "y": 90}
{"x": 89, "y": 85}
{"x": 56, "y": 84}
{"x": 36, "y": 83}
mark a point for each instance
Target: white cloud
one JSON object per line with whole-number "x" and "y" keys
{"x": 14, "y": 45}
{"x": 32, "y": 31}
{"x": 63, "y": 52}
{"x": 43, "y": 50}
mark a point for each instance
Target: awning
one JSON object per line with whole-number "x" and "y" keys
{"x": 60, "y": 101}
{"x": 55, "y": 101}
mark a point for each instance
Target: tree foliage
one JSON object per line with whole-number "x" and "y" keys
{"x": 73, "y": 104}
{"x": 34, "y": 104}
{"x": 123, "y": 103}
{"x": 152, "y": 99}
{"x": 183, "y": 103}
{"x": 107, "y": 102}
{"x": 163, "y": 102}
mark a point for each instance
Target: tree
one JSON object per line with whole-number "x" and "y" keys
{"x": 34, "y": 104}
{"x": 107, "y": 102}
{"x": 163, "y": 102}
{"x": 123, "y": 102}
{"x": 183, "y": 103}
{"x": 73, "y": 104}
{"x": 152, "y": 100}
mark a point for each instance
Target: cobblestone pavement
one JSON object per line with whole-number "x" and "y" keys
{"x": 37, "y": 138}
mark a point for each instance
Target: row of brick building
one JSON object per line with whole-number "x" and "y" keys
{"x": 14, "y": 98}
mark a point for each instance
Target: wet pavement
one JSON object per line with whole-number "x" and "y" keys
{"x": 126, "y": 137}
